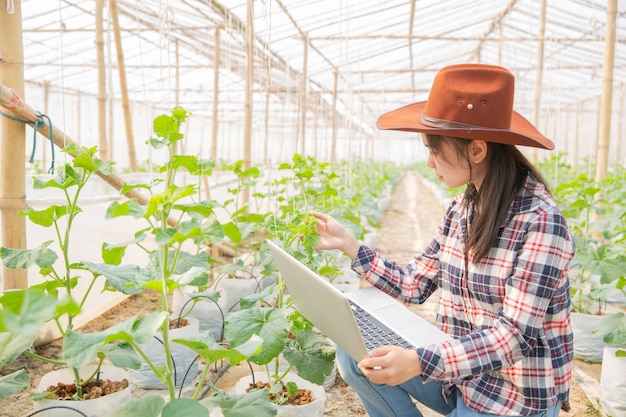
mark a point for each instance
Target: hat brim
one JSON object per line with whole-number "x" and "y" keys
{"x": 522, "y": 132}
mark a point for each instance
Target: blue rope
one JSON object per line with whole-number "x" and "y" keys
{"x": 40, "y": 123}
{"x": 14, "y": 118}
{"x": 36, "y": 125}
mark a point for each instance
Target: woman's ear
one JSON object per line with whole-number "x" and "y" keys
{"x": 477, "y": 151}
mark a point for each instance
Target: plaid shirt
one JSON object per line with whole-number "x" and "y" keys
{"x": 509, "y": 314}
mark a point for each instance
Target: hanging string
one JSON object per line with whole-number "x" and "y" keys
{"x": 61, "y": 48}
{"x": 40, "y": 123}
{"x": 10, "y": 7}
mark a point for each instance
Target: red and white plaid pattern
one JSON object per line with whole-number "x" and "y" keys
{"x": 509, "y": 314}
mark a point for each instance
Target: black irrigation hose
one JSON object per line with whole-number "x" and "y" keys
{"x": 252, "y": 276}
{"x": 221, "y": 371}
{"x": 210, "y": 299}
{"x": 182, "y": 383}
{"x": 171, "y": 356}
{"x": 251, "y": 373}
{"x": 59, "y": 407}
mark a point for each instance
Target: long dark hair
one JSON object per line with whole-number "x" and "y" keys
{"x": 507, "y": 170}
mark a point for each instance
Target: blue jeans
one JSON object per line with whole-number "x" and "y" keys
{"x": 386, "y": 401}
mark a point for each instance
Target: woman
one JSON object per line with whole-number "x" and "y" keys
{"x": 499, "y": 260}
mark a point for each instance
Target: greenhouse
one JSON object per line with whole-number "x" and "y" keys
{"x": 150, "y": 149}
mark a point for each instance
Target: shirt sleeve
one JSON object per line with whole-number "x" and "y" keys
{"x": 414, "y": 283}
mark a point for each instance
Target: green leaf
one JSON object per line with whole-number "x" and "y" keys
{"x": 131, "y": 185}
{"x": 25, "y": 258}
{"x": 271, "y": 324}
{"x": 212, "y": 230}
{"x": 126, "y": 208}
{"x": 48, "y": 216}
{"x": 205, "y": 345}
{"x": 184, "y": 407}
{"x": 165, "y": 236}
{"x": 312, "y": 355}
{"x": 12, "y": 345}
{"x": 122, "y": 355}
{"x": 268, "y": 294}
{"x": 255, "y": 403}
{"x": 113, "y": 254}
{"x": 146, "y": 406}
{"x": 292, "y": 388}
{"x": 12, "y": 383}
{"x": 35, "y": 309}
{"x": 80, "y": 348}
{"x": 613, "y": 329}
{"x": 125, "y": 278}
{"x": 195, "y": 276}
{"x": 187, "y": 261}
{"x": 204, "y": 208}
{"x": 189, "y": 162}
{"x": 232, "y": 231}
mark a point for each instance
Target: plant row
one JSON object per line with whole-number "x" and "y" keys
{"x": 189, "y": 242}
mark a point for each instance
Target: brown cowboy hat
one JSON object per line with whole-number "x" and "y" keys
{"x": 471, "y": 101}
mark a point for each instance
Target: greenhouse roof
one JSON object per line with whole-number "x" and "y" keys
{"x": 375, "y": 55}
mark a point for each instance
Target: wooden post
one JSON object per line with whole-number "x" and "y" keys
{"x": 12, "y": 146}
{"x": 604, "y": 124}
{"x": 132, "y": 158}
{"x": 539, "y": 72}
{"x": 103, "y": 145}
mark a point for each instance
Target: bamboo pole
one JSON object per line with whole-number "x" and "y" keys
{"x": 576, "y": 135}
{"x": 333, "y": 146}
{"x": 12, "y": 146}
{"x": 132, "y": 157}
{"x": 103, "y": 145}
{"x": 604, "y": 125}
{"x": 216, "y": 92}
{"x": 61, "y": 140}
{"x": 266, "y": 136}
{"x": 303, "y": 96}
{"x": 247, "y": 128}
{"x": 46, "y": 109}
{"x": 27, "y": 114}
{"x": 620, "y": 125}
{"x": 539, "y": 71}
{"x": 316, "y": 129}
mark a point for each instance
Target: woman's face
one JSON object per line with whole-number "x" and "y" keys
{"x": 448, "y": 167}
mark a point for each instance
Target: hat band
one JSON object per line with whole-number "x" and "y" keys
{"x": 447, "y": 124}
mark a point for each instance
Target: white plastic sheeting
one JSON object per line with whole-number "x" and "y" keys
{"x": 376, "y": 55}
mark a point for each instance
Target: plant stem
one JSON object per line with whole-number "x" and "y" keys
{"x": 43, "y": 358}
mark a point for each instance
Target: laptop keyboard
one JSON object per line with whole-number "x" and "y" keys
{"x": 375, "y": 333}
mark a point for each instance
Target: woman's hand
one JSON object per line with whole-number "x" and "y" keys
{"x": 391, "y": 365}
{"x": 335, "y": 236}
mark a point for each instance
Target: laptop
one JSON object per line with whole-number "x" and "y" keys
{"x": 357, "y": 321}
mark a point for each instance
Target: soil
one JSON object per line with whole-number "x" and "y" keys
{"x": 406, "y": 228}
{"x": 91, "y": 390}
